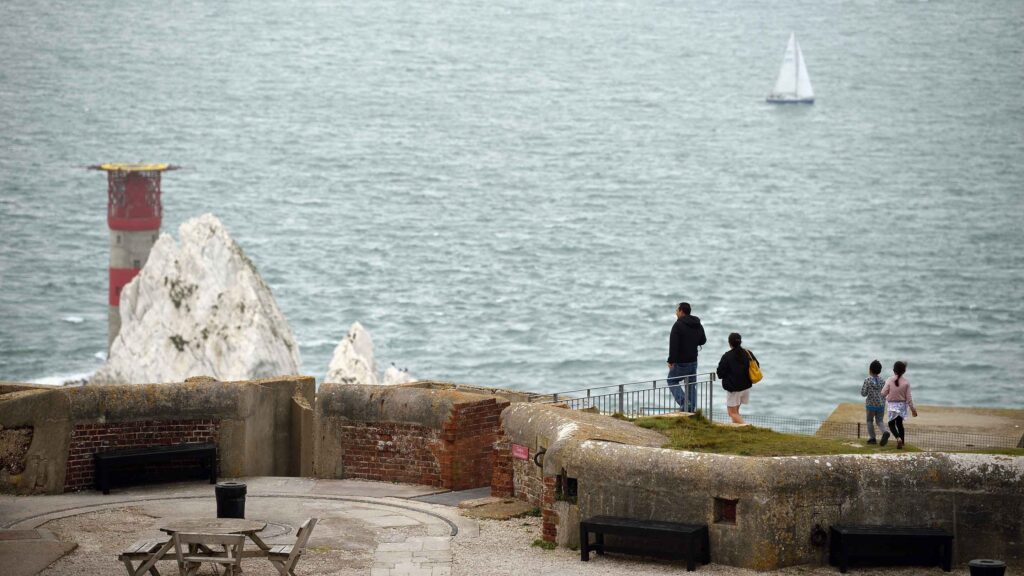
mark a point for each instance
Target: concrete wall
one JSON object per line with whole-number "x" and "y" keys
{"x": 779, "y": 502}
{"x": 441, "y": 437}
{"x": 261, "y": 428}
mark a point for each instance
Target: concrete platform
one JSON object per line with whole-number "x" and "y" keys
{"x": 959, "y": 427}
{"x": 365, "y": 527}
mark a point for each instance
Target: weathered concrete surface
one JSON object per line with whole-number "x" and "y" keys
{"x": 47, "y": 412}
{"x": 8, "y": 387}
{"x": 779, "y": 501}
{"x": 398, "y": 404}
{"x": 493, "y": 508}
{"x": 26, "y": 552}
{"x": 994, "y": 422}
{"x": 559, "y": 431}
{"x": 510, "y": 395}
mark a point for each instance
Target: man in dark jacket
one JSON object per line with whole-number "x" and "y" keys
{"x": 734, "y": 370}
{"x": 687, "y": 335}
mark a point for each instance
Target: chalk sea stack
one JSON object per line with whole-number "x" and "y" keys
{"x": 353, "y": 362}
{"x": 199, "y": 307}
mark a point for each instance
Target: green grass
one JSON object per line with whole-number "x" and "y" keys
{"x": 544, "y": 544}
{"x": 697, "y": 434}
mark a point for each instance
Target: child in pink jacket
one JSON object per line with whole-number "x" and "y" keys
{"x": 897, "y": 396}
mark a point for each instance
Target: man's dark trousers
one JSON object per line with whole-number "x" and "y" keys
{"x": 685, "y": 395}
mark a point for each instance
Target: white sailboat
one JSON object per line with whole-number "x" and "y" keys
{"x": 793, "y": 86}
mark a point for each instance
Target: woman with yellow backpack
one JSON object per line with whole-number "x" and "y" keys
{"x": 739, "y": 370}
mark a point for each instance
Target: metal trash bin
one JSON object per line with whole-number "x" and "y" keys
{"x": 230, "y": 500}
{"x": 986, "y": 567}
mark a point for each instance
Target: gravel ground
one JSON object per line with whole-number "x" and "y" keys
{"x": 101, "y": 536}
{"x": 504, "y": 549}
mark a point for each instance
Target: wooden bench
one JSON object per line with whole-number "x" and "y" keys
{"x": 890, "y": 543}
{"x": 104, "y": 461}
{"x": 691, "y": 537}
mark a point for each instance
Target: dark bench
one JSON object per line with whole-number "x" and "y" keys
{"x": 890, "y": 544}
{"x": 206, "y": 453}
{"x": 692, "y": 537}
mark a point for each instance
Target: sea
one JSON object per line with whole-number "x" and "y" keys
{"x": 518, "y": 193}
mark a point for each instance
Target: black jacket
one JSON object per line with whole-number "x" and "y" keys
{"x": 734, "y": 368}
{"x": 687, "y": 334}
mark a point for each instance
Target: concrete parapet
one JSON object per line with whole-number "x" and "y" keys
{"x": 763, "y": 513}
{"x": 261, "y": 428}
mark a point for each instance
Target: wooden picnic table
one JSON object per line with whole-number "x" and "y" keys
{"x": 248, "y": 528}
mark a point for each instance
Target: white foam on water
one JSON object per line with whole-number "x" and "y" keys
{"x": 60, "y": 379}
{"x": 73, "y": 319}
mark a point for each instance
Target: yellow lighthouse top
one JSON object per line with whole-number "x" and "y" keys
{"x": 137, "y": 167}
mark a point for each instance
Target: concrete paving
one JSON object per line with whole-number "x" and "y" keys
{"x": 384, "y": 529}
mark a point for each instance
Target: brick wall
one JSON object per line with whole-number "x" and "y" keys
{"x": 391, "y": 452}
{"x": 459, "y": 456}
{"x": 87, "y": 439}
{"x": 549, "y": 518}
{"x": 527, "y": 481}
{"x": 501, "y": 471}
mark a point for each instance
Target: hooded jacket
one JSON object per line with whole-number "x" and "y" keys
{"x": 687, "y": 334}
{"x": 734, "y": 369}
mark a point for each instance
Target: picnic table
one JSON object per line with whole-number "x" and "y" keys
{"x": 248, "y": 528}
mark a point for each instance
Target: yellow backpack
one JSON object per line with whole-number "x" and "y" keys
{"x": 754, "y": 369}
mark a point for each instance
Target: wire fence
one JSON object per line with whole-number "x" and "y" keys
{"x": 665, "y": 396}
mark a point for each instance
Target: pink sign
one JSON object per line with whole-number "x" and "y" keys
{"x": 521, "y": 452}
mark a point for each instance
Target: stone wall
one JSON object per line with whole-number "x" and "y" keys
{"x": 406, "y": 434}
{"x": 761, "y": 512}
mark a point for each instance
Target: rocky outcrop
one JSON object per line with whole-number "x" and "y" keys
{"x": 353, "y": 362}
{"x": 199, "y": 307}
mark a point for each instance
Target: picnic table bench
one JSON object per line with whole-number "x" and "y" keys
{"x": 932, "y": 545}
{"x": 104, "y": 461}
{"x": 692, "y": 537}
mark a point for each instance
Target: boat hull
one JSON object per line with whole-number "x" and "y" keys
{"x": 771, "y": 100}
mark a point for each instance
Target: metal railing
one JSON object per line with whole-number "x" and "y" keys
{"x": 642, "y": 398}
{"x": 663, "y": 396}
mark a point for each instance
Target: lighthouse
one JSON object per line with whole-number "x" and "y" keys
{"x": 134, "y": 215}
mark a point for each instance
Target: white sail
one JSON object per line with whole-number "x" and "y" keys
{"x": 793, "y": 83}
{"x": 804, "y": 91}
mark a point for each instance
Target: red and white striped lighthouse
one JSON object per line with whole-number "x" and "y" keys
{"x": 134, "y": 215}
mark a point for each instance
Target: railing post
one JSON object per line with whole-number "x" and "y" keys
{"x": 555, "y": 396}
{"x": 622, "y": 404}
{"x": 711, "y": 398}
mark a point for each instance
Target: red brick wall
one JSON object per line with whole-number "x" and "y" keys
{"x": 87, "y": 439}
{"x": 459, "y": 456}
{"x": 469, "y": 435}
{"x": 549, "y": 518}
{"x": 501, "y": 473}
{"x": 391, "y": 452}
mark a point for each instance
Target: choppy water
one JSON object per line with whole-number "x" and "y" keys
{"x": 517, "y": 193}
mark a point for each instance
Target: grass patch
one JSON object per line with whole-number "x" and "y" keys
{"x": 544, "y": 544}
{"x": 697, "y": 434}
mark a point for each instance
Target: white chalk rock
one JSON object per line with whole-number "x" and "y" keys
{"x": 199, "y": 308}
{"x": 353, "y": 362}
{"x": 395, "y": 376}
